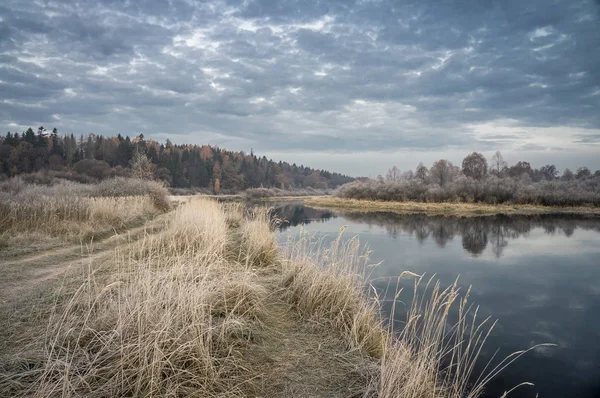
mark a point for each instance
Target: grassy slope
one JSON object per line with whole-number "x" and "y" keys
{"x": 460, "y": 209}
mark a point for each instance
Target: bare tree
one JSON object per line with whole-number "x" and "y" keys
{"x": 498, "y": 164}
{"x": 421, "y": 172}
{"x": 393, "y": 174}
{"x": 442, "y": 172}
{"x": 475, "y": 166}
{"x": 408, "y": 175}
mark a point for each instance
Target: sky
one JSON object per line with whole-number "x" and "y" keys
{"x": 349, "y": 86}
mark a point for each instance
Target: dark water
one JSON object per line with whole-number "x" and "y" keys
{"x": 539, "y": 276}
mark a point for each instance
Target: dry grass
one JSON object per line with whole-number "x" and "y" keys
{"x": 327, "y": 284}
{"x": 169, "y": 322}
{"x": 257, "y": 246}
{"x": 436, "y": 352}
{"x": 460, "y": 209}
{"x": 74, "y": 210}
{"x": 432, "y": 356}
{"x": 193, "y": 229}
{"x": 207, "y": 306}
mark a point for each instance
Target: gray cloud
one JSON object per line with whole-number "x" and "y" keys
{"x": 291, "y": 75}
{"x": 588, "y": 138}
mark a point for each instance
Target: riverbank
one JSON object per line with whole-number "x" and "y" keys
{"x": 450, "y": 209}
{"x": 205, "y": 303}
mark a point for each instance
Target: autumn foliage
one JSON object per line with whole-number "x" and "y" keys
{"x": 95, "y": 158}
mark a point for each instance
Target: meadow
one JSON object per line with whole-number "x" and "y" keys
{"x": 198, "y": 299}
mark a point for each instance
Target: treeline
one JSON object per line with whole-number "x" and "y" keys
{"x": 478, "y": 181}
{"x": 94, "y": 157}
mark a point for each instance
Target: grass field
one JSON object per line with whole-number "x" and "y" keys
{"x": 201, "y": 301}
{"x": 459, "y": 209}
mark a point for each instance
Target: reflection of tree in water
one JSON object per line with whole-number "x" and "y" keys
{"x": 474, "y": 236}
{"x": 421, "y": 233}
{"x": 476, "y": 232}
{"x": 568, "y": 231}
{"x": 498, "y": 235}
{"x": 442, "y": 233}
{"x": 294, "y": 214}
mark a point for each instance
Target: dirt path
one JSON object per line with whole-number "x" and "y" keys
{"x": 300, "y": 358}
{"x": 30, "y": 285}
{"x": 28, "y": 272}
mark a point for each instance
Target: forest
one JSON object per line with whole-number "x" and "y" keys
{"x": 478, "y": 181}
{"x": 94, "y": 158}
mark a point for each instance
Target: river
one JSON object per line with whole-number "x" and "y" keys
{"x": 539, "y": 276}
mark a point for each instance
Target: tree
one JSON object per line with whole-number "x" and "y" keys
{"x": 475, "y": 166}
{"x": 314, "y": 180}
{"x": 40, "y": 139}
{"x": 442, "y": 172}
{"x": 549, "y": 171}
{"x": 421, "y": 172}
{"x": 393, "y": 174}
{"x": 408, "y": 175}
{"x": 567, "y": 175}
{"x": 583, "y": 172}
{"x": 498, "y": 164}
{"x": 29, "y": 136}
{"x": 141, "y": 167}
{"x": 520, "y": 168}
{"x": 231, "y": 178}
{"x": 70, "y": 150}
{"x": 56, "y": 148}
{"x": 21, "y": 158}
{"x": 90, "y": 147}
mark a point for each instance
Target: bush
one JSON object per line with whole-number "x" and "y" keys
{"x": 94, "y": 168}
{"x": 492, "y": 190}
{"x": 258, "y": 193}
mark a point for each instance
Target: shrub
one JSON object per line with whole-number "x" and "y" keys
{"x": 492, "y": 190}
{"x": 259, "y": 193}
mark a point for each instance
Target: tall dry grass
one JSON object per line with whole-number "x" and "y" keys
{"x": 194, "y": 228}
{"x": 170, "y": 321}
{"x": 327, "y": 283}
{"x": 434, "y": 355}
{"x": 77, "y": 209}
{"x": 258, "y": 248}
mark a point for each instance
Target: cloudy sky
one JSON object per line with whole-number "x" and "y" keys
{"x": 352, "y": 86}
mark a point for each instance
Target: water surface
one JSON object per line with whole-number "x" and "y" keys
{"x": 538, "y": 275}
